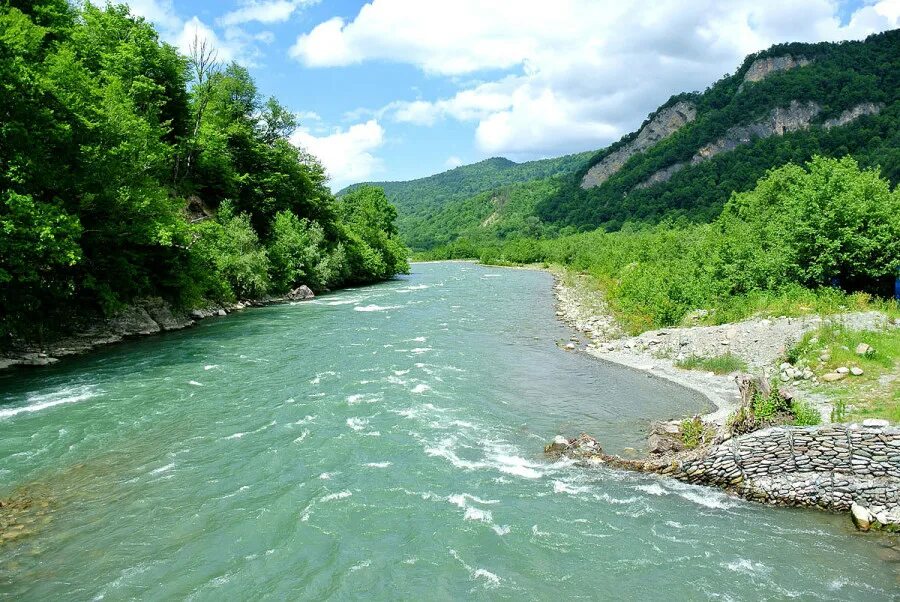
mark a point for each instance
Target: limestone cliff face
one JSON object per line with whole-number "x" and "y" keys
{"x": 860, "y": 110}
{"x": 664, "y": 124}
{"x": 782, "y": 120}
{"x": 762, "y": 68}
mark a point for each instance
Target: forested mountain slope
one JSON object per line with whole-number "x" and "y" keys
{"x": 785, "y": 104}
{"x": 421, "y": 202}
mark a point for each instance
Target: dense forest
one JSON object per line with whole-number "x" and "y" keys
{"x": 837, "y": 78}
{"x": 820, "y": 236}
{"x": 128, "y": 170}
{"x": 422, "y": 203}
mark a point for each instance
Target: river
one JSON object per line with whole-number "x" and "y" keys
{"x": 381, "y": 443}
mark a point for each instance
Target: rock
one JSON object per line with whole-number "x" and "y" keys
{"x": 875, "y": 423}
{"x": 785, "y": 366}
{"x": 221, "y": 312}
{"x": 197, "y": 314}
{"x": 864, "y": 349}
{"x": 661, "y": 444}
{"x": 161, "y": 312}
{"x": 832, "y": 377}
{"x": 301, "y": 293}
{"x": 856, "y": 371}
{"x": 862, "y": 518}
{"x": 133, "y": 320}
{"x": 825, "y": 357}
{"x": 843, "y": 370}
{"x": 570, "y": 346}
{"x": 557, "y": 446}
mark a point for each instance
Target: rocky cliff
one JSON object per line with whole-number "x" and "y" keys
{"x": 665, "y": 123}
{"x": 780, "y": 121}
{"x": 762, "y": 68}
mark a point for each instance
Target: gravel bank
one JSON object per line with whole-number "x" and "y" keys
{"x": 760, "y": 342}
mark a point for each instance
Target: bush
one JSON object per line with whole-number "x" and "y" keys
{"x": 297, "y": 254}
{"x": 805, "y": 414}
{"x": 234, "y": 264}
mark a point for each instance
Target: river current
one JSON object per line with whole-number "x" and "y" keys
{"x": 381, "y": 443}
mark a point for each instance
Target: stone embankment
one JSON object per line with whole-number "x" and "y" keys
{"x": 144, "y": 317}
{"x": 841, "y": 468}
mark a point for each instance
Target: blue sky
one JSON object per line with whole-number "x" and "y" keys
{"x": 399, "y": 89}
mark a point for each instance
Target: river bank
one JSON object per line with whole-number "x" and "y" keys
{"x": 142, "y": 318}
{"x": 840, "y": 468}
{"x": 759, "y": 343}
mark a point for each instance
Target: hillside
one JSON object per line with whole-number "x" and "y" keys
{"x": 421, "y": 202}
{"x": 784, "y": 104}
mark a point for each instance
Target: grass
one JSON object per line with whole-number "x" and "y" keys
{"x": 874, "y": 394}
{"x": 720, "y": 364}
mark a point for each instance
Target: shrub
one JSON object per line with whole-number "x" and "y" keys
{"x": 235, "y": 264}
{"x": 805, "y": 414}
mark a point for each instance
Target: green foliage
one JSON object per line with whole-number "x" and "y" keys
{"x": 237, "y": 266}
{"x": 297, "y": 253}
{"x": 805, "y": 414}
{"x": 373, "y": 249}
{"x": 778, "y": 249}
{"x": 694, "y": 432}
{"x": 840, "y": 77}
{"x": 720, "y": 364}
{"x": 436, "y": 209}
{"x": 106, "y": 131}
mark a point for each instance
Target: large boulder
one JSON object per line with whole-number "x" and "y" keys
{"x": 301, "y": 293}
{"x": 862, "y": 518}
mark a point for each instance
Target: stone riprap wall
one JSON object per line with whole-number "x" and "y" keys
{"x": 829, "y": 467}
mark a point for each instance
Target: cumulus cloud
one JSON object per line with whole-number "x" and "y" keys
{"x": 575, "y": 74}
{"x": 453, "y": 161}
{"x": 196, "y": 30}
{"x": 346, "y": 154}
{"x": 263, "y": 11}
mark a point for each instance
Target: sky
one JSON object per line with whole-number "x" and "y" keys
{"x": 400, "y": 89}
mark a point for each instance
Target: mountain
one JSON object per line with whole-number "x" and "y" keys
{"x": 784, "y": 104}
{"x": 419, "y": 202}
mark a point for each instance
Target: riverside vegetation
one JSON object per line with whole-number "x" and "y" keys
{"x": 128, "y": 170}
{"x": 772, "y": 193}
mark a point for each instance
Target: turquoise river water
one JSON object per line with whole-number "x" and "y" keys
{"x": 381, "y": 443}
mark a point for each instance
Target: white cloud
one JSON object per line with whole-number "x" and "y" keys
{"x": 453, "y": 161}
{"x": 346, "y": 154}
{"x": 161, "y": 12}
{"x": 264, "y": 11}
{"x": 574, "y": 75}
{"x": 195, "y": 29}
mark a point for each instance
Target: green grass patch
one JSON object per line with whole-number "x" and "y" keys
{"x": 874, "y": 394}
{"x": 720, "y": 364}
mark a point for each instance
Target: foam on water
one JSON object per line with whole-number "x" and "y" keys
{"x": 420, "y": 388}
{"x": 376, "y": 307}
{"x": 357, "y": 424}
{"x": 340, "y": 495}
{"x": 36, "y": 403}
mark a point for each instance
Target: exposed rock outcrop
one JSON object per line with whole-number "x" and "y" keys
{"x": 781, "y": 120}
{"x": 762, "y": 68}
{"x": 665, "y": 123}
{"x": 852, "y": 114}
